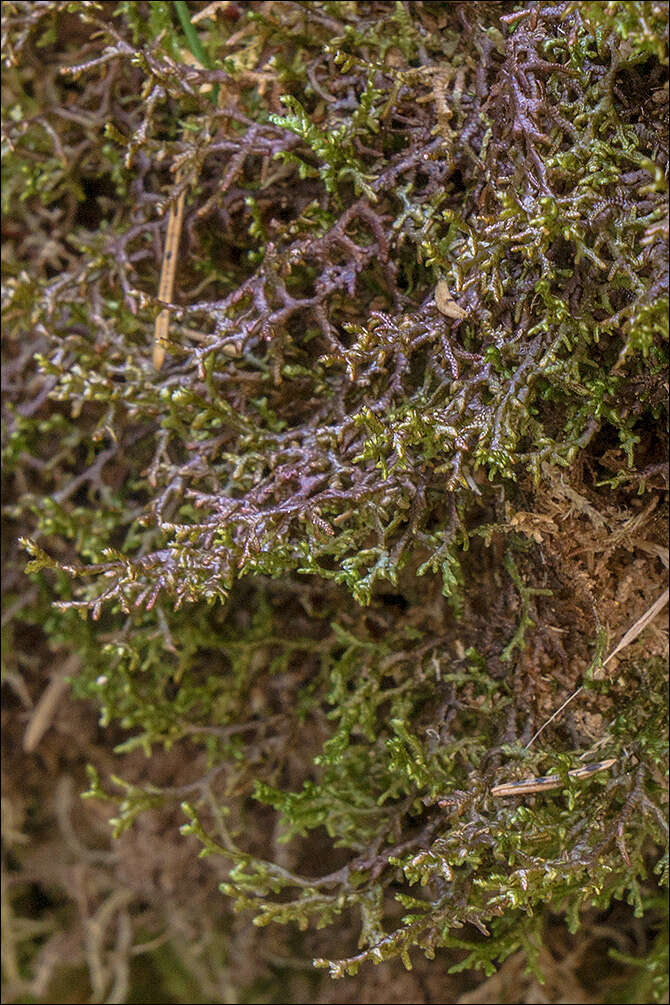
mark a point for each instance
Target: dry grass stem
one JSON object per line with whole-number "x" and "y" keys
{"x": 625, "y": 640}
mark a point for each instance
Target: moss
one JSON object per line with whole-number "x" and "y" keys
{"x": 355, "y": 541}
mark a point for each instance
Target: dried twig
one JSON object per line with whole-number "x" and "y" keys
{"x": 45, "y": 710}
{"x": 544, "y": 782}
{"x": 166, "y": 285}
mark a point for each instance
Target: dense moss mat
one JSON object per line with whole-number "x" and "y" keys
{"x": 299, "y": 599}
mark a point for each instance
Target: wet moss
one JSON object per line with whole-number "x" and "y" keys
{"x": 354, "y": 542}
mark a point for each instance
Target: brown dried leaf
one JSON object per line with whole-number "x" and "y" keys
{"x": 445, "y": 303}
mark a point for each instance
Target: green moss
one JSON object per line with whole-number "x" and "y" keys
{"x": 331, "y": 548}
